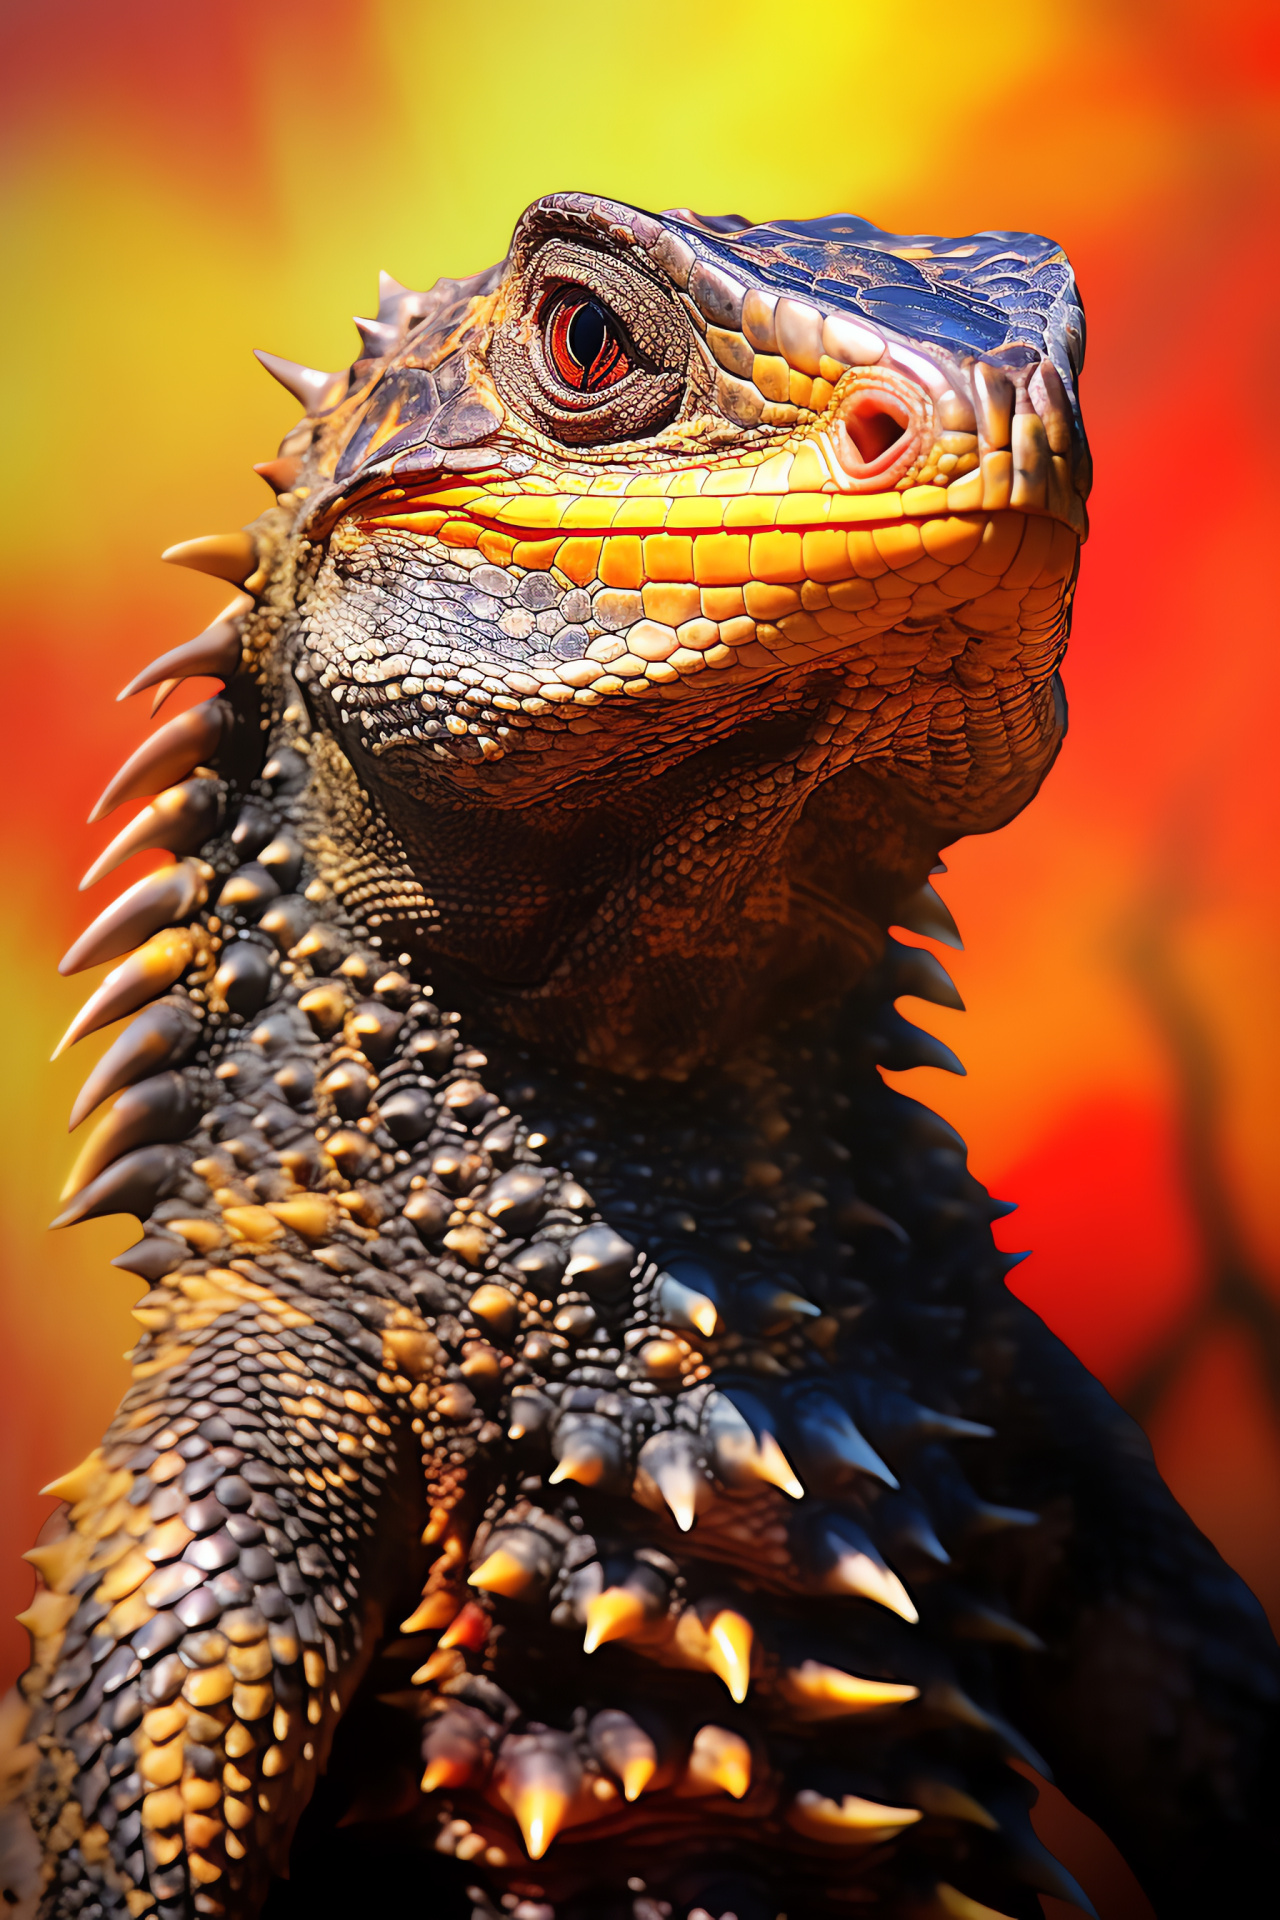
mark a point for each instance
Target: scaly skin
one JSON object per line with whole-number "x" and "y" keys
{"x": 609, "y": 1390}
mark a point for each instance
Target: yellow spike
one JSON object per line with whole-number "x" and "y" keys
{"x": 539, "y": 1809}
{"x": 637, "y": 1772}
{"x": 772, "y": 1465}
{"x": 581, "y": 1463}
{"x": 612, "y": 1615}
{"x": 729, "y": 1653}
{"x": 858, "y": 1573}
{"x": 48, "y": 1614}
{"x": 74, "y": 1485}
{"x": 960, "y": 1907}
{"x": 816, "y": 1685}
{"x": 59, "y": 1562}
{"x": 311, "y": 1214}
{"x": 719, "y": 1759}
{"x": 501, "y": 1573}
{"x": 433, "y": 1610}
{"x": 227, "y": 556}
{"x": 703, "y": 1315}
{"x": 851, "y": 1820}
{"x": 682, "y": 1503}
{"x": 445, "y": 1773}
{"x": 445, "y": 1660}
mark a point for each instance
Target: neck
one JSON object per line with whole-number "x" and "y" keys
{"x": 654, "y": 927}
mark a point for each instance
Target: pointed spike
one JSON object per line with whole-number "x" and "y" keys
{"x": 625, "y": 1748}
{"x": 469, "y": 1628}
{"x": 180, "y": 819}
{"x": 856, "y": 1567}
{"x": 932, "y": 1425}
{"x": 849, "y": 1819}
{"x": 583, "y": 1455}
{"x": 775, "y": 1468}
{"x": 680, "y": 1483}
{"x": 921, "y": 975}
{"x": 502, "y": 1573}
{"x": 216, "y": 652}
{"x": 743, "y": 1447}
{"x": 314, "y": 391}
{"x": 280, "y": 473}
{"x": 904, "y": 1523}
{"x": 1035, "y": 1866}
{"x": 774, "y": 1309}
{"x": 669, "y": 1469}
{"x": 144, "y": 976}
{"x": 925, "y": 912}
{"x": 539, "y": 1809}
{"x": 168, "y": 895}
{"x": 539, "y": 1776}
{"x": 613, "y": 1615}
{"x": 48, "y": 1615}
{"x": 58, "y": 1562}
{"x": 942, "y": 1697}
{"x": 159, "y": 1037}
{"x": 1006, "y": 1262}
{"x": 435, "y": 1609}
{"x": 904, "y": 1045}
{"x": 680, "y": 1304}
{"x": 160, "y": 1109}
{"x": 76, "y": 1484}
{"x": 132, "y": 1185}
{"x": 152, "y": 1257}
{"x": 169, "y": 755}
{"x": 378, "y": 337}
{"x": 859, "y": 1214}
{"x": 445, "y": 1771}
{"x": 635, "y": 1775}
{"x": 446, "y": 1663}
{"x": 974, "y": 1619}
{"x": 227, "y": 556}
{"x": 731, "y": 1638}
{"x": 813, "y": 1684}
{"x": 986, "y": 1516}
{"x": 831, "y": 1444}
{"x": 720, "y": 1759}
{"x": 391, "y": 294}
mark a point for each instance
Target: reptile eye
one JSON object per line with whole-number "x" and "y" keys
{"x": 585, "y": 345}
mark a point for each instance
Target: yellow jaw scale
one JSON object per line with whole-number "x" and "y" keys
{"x": 758, "y": 563}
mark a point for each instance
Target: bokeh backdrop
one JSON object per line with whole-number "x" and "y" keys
{"x": 186, "y": 181}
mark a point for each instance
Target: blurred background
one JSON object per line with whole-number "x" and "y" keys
{"x": 183, "y": 183}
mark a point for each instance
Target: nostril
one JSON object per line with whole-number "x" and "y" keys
{"x": 873, "y": 432}
{"x": 879, "y": 430}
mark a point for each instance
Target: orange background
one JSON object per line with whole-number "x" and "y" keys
{"x": 187, "y": 181}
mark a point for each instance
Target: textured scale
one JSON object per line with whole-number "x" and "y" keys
{"x": 581, "y": 1449}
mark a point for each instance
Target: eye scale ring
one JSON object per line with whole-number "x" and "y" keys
{"x": 583, "y": 344}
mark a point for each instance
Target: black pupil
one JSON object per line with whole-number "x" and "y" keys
{"x": 587, "y": 334}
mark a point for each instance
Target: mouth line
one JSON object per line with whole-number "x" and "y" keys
{"x": 596, "y": 516}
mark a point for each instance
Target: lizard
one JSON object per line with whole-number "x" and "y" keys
{"x": 582, "y": 1448}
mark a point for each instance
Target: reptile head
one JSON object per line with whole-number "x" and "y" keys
{"x": 736, "y": 558}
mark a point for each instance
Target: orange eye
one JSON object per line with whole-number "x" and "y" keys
{"x": 584, "y": 344}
